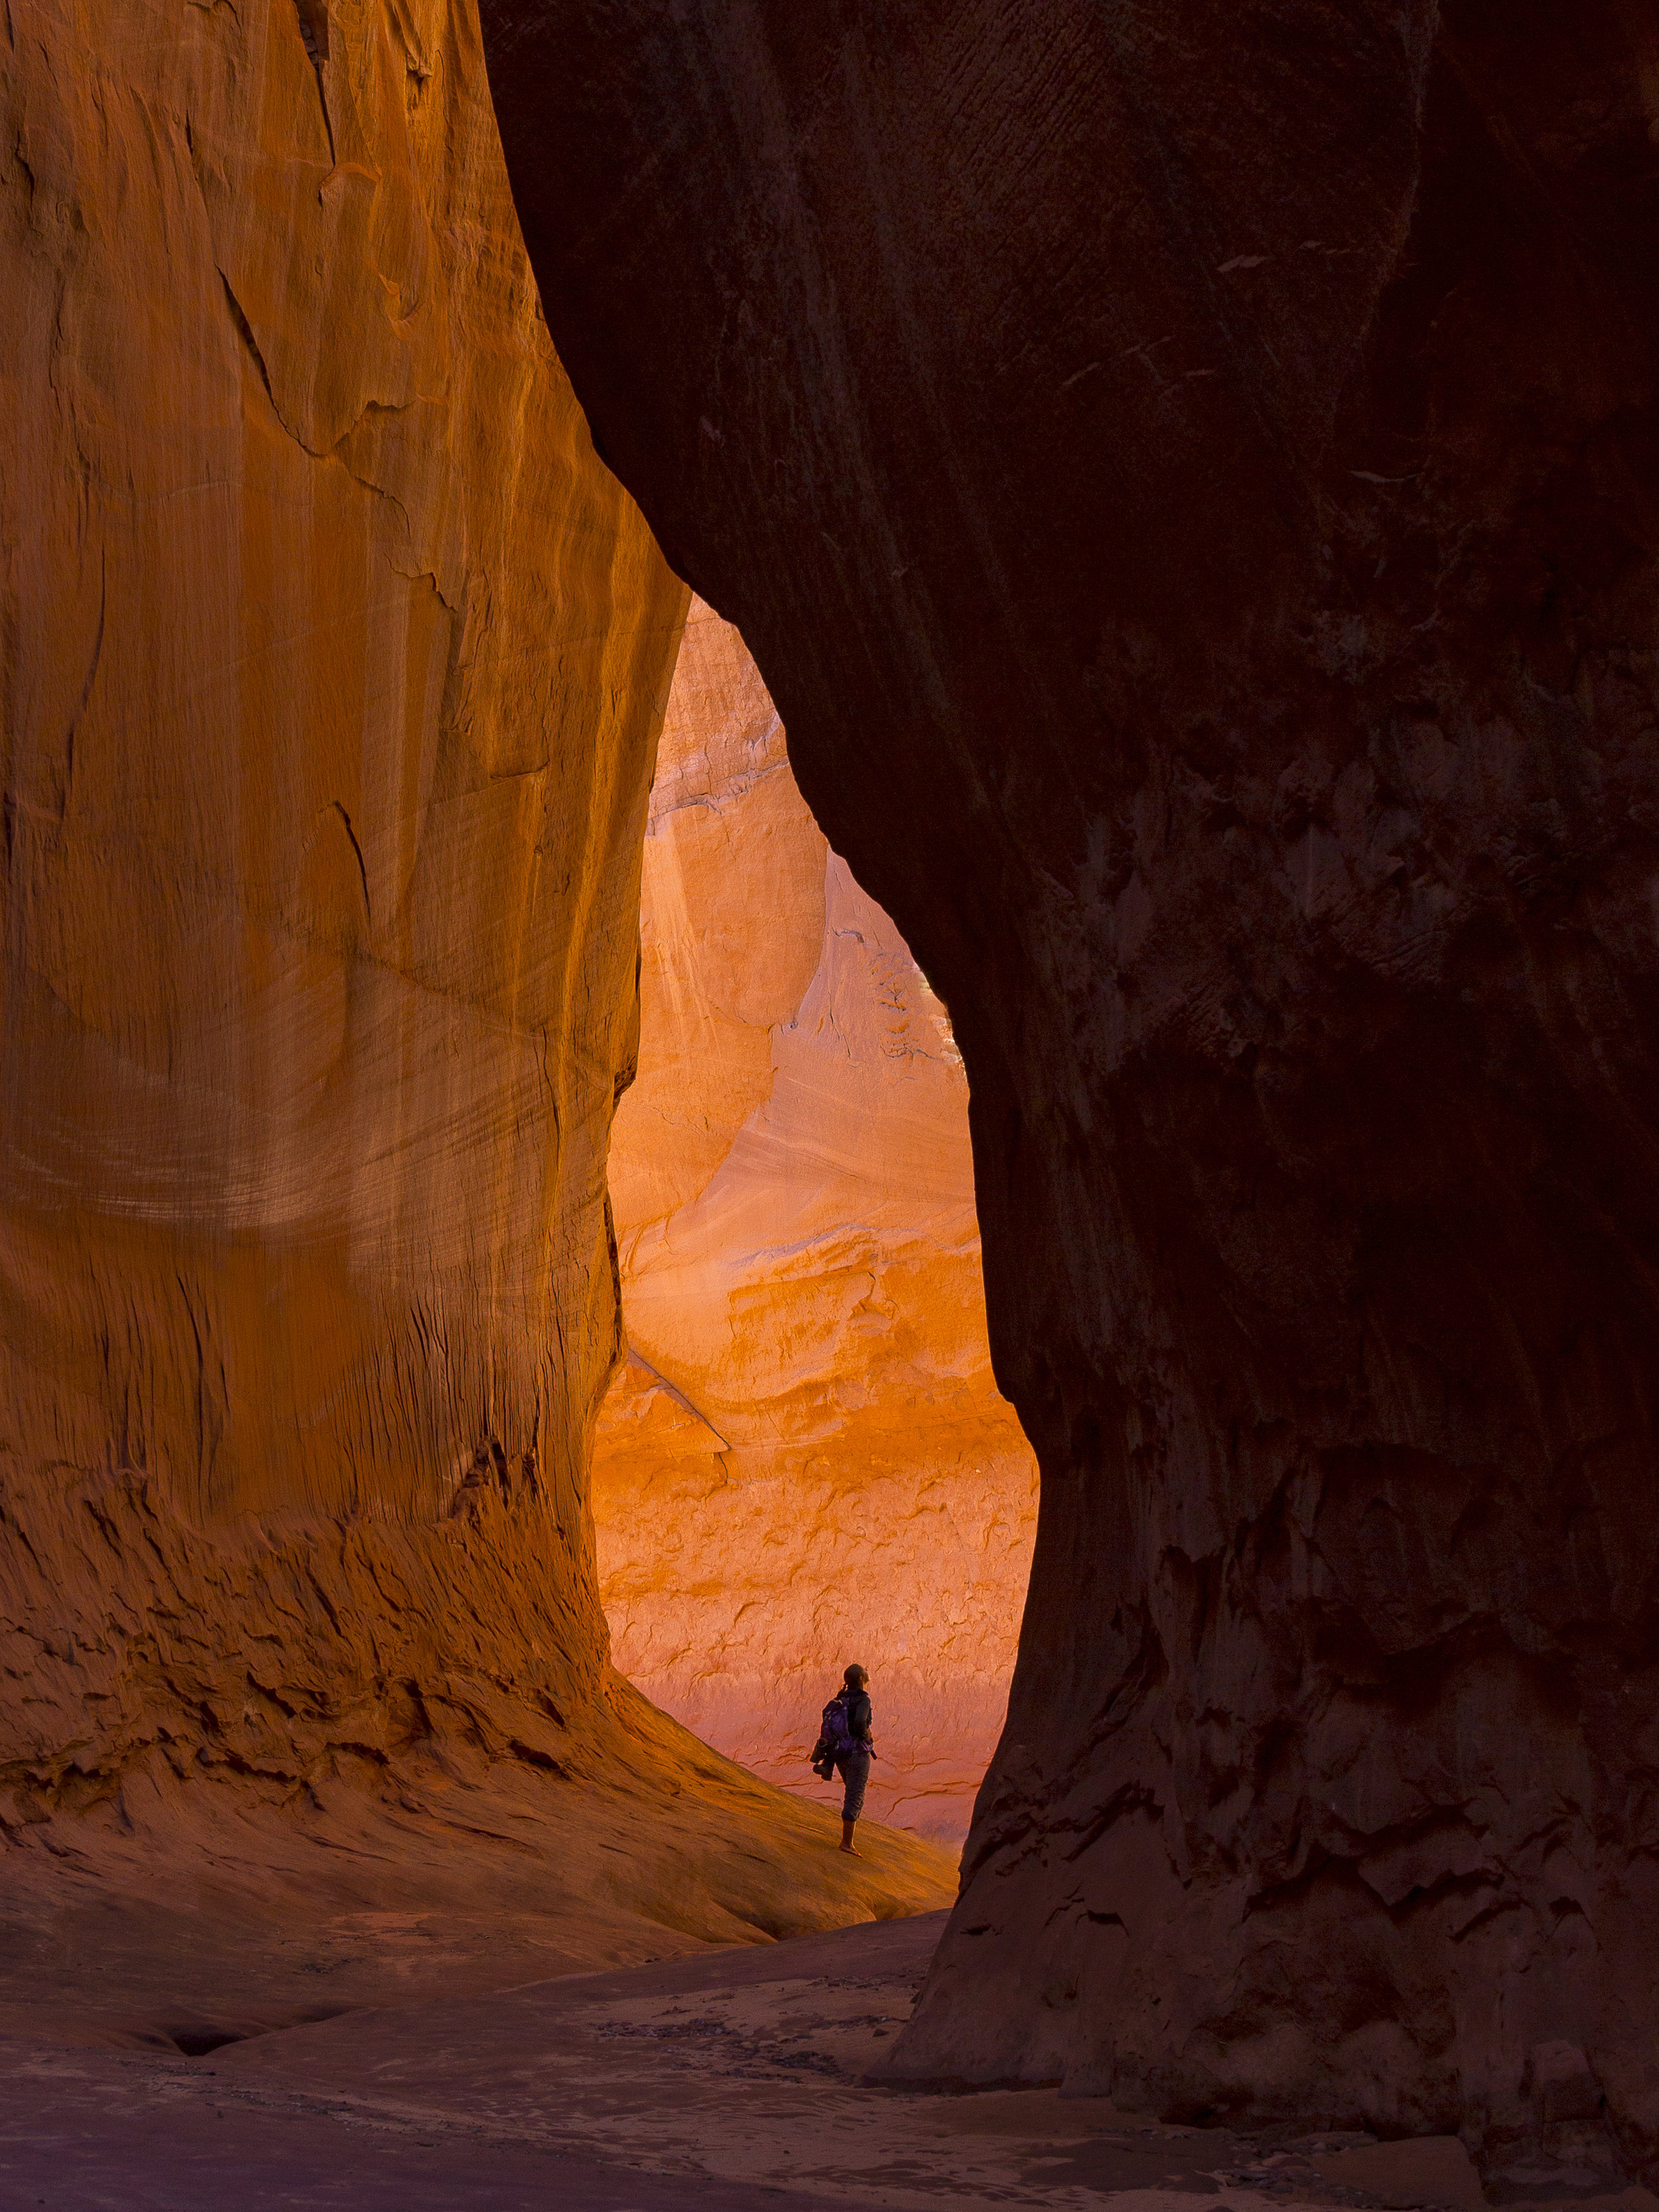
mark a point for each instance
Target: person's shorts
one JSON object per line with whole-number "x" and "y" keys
{"x": 854, "y": 1767}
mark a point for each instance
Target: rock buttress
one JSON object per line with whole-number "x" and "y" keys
{"x": 1187, "y": 485}
{"x": 334, "y": 662}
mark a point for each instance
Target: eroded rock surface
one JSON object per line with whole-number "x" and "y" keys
{"x": 334, "y": 664}
{"x": 806, "y": 1460}
{"x": 1185, "y": 476}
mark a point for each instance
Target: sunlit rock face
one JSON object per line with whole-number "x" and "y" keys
{"x": 1185, "y": 475}
{"x": 333, "y": 665}
{"x": 806, "y": 1460}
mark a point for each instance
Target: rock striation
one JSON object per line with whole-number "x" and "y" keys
{"x": 805, "y": 1459}
{"x": 1186, "y": 480}
{"x": 334, "y": 662}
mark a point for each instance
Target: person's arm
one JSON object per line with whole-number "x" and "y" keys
{"x": 860, "y": 1717}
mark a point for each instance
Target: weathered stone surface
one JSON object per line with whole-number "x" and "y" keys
{"x": 805, "y": 1460}
{"x": 1185, "y": 476}
{"x": 333, "y": 663}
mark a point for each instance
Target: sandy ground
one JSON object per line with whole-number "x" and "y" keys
{"x": 717, "y": 2081}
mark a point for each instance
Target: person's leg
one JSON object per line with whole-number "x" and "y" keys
{"x": 856, "y": 1773}
{"x": 844, "y": 1768}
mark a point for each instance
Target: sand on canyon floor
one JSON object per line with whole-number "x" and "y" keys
{"x": 720, "y": 2081}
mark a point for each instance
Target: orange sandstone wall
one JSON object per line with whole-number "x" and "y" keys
{"x": 333, "y": 662}
{"x": 319, "y": 855}
{"x": 806, "y": 1459}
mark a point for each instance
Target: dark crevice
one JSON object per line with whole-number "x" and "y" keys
{"x": 200, "y": 2042}
{"x": 313, "y": 29}
{"x": 363, "y": 870}
{"x": 196, "y": 2042}
{"x": 245, "y": 331}
{"x": 313, "y": 15}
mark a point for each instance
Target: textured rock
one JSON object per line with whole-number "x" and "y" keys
{"x": 806, "y": 1460}
{"x": 333, "y": 662}
{"x": 1185, "y": 477}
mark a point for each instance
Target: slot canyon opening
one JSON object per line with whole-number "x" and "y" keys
{"x": 804, "y": 1459}
{"x": 1186, "y": 476}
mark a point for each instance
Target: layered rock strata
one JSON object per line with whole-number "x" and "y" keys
{"x": 334, "y": 664}
{"x": 1185, "y": 477}
{"x": 805, "y": 1459}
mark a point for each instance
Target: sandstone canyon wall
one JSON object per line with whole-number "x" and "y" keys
{"x": 333, "y": 665}
{"x": 1186, "y": 476}
{"x": 805, "y": 1460}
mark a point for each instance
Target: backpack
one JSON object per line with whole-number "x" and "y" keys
{"x": 834, "y": 1737}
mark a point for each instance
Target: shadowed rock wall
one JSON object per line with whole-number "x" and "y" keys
{"x": 805, "y": 1459}
{"x": 333, "y": 665}
{"x": 1186, "y": 478}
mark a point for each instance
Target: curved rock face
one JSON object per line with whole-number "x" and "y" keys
{"x": 805, "y": 1460}
{"x": 334, "y": 662}
{"x": 1187, "y": 483}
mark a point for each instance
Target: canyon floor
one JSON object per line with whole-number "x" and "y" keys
{"x": 725, "y": 2079}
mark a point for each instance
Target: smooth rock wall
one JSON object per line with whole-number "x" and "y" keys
{"x": 805, "y": 1460}
{"x": 318, "y": 920}
{"x": 1186, "y": 478}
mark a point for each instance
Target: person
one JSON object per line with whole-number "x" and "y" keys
{"x": 852, "y": 1764}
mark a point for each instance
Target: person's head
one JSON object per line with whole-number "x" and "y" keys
{"x": 855, "y": 1678}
